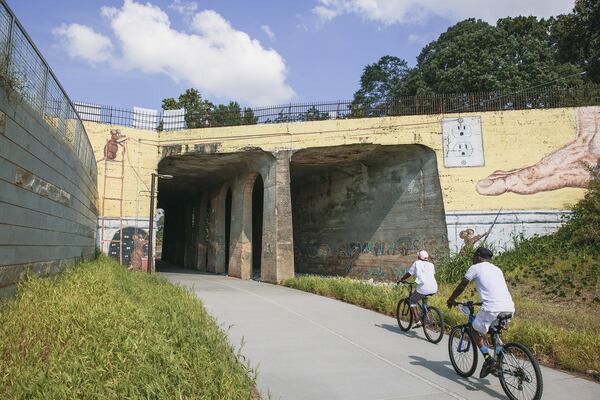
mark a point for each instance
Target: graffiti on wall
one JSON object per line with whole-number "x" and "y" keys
{"x": 379, "y": 259}
{"x": 565, "y": 167}
{"x": 111, "y": 148}
{"x": 135, "y": 247}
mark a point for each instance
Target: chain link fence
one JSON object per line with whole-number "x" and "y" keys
{"x": 23, "y": 70}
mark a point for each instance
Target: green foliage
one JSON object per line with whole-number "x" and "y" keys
{"x": 200, "y": 113}
{"x": 100, "y": 332}
{"x": 379, "y": 82}
{"x": 582, "y": 228}
{"x": 474, "y": 56}
{"x": 577, "y": 37}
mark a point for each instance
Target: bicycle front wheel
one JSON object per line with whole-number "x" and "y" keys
{"x": 463, "y": 350}
{"x": 433, "y": 325}
{"x": 403, "y": 315}
{"x": 519, "y": 373}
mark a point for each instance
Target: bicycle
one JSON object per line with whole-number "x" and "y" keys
{"x": 516, "y": 367}
{"x": 431, "y": 317}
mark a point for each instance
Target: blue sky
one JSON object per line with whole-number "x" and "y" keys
{"x": 134, "y": 53}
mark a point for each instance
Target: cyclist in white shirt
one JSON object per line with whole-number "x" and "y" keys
{"x": 493, "y": 293}
{"x": 424, "y": 273}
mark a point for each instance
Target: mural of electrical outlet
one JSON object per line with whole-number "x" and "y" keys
{"x": 463, "y": 142}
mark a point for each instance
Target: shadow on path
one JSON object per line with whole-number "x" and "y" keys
{"x": 444, "y": 369}
{"x": 394, "y": 328}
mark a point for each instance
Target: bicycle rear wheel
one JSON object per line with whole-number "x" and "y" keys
{"x": 433, "y": 325}
{"x": 519, "y": 373}
{"x": 463, "y": 350}
{"x": 403, "y": 315}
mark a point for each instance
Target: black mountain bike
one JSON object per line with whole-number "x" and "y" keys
{"x": 516, "y": 367}
{"x": 431, "y": 318}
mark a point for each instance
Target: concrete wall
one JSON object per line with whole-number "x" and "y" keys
{"x": 48, "y": 210}
{"x": 367, "y": 215}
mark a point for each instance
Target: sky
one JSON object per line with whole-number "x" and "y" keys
{"x": 127, "y": 53}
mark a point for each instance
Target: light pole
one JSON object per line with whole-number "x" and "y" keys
{"x": 151, "y": 222}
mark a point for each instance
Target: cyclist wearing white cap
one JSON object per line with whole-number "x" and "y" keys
{"x": 424, "y": 272}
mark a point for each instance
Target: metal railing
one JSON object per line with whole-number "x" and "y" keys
{"x": 172, "y": 120}
{"x": 24, "y": 70}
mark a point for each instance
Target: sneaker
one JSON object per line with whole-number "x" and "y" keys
{"x": 489, "y": 366}
{"x": 417, "y": 325}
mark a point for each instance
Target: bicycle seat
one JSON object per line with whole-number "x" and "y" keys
{"x": 501, "y": 322}
{"x": 504, "y": 316}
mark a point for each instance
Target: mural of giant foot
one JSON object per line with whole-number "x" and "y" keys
{"x": 566, "y": 167}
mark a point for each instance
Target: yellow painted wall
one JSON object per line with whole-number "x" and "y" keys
{"x": 511, "y": 139}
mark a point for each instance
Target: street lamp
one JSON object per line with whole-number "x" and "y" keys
{"x": 151, "y": 222}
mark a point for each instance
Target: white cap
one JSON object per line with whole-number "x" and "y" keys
{"x": 423, "y": 255}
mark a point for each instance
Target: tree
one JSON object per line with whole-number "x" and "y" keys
{"x": 227, "y": 115}
{"x": 249, "y": 118}
{"x": 313, "y": 114}
{"x": 198, "y": 111}
{"x": 474, "y": 56}
{"x": 577, "y": 37}
{"x": 380, "y": 82}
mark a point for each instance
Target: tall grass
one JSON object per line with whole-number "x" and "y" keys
{"x": 568, "y": 338}
{"x": 99, "y": 332}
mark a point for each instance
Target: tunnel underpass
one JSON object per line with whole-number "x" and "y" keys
{"x": 357, "y": 210}
{"x": 214, "y": 212}
{"x": 365, "y": 210}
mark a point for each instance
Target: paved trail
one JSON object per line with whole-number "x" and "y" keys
{"x": 311, "y": 347}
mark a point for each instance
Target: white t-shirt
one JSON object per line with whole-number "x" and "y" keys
{"x": 491, "y": 287}
{"x": 424, "y": 273}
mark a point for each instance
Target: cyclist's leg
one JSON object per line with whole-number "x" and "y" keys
{"x": 481, "y": 325}
{"x": 414, "y": 298}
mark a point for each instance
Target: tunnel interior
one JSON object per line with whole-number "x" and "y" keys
{"x": 365, "y": 210}
{"x": 202, "y": 204}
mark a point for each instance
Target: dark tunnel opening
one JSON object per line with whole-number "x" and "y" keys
{"x": 365, "y": 210}
{"x": 257, "y": 224}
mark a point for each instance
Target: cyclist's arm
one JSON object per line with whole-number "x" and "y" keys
{"x": 405, "y": 277}
{"x": 457, "y": 292}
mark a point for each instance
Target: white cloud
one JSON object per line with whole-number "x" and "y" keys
{"x": 184, "y": 7}
{"x": 213, "y": 56}
{"x": 416, "y": 38}
{"x": 267, "y": 30}
{"x": 389, "y": 12}
{"x": 82, "y": 42}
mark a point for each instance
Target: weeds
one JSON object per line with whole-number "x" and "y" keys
{"x": 99, "y": 332}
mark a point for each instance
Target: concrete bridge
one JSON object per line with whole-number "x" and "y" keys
{"x": 349, "y": 197}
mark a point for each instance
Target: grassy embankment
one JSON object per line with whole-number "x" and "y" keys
{"x": 97, "y": 331}
{"x": 555, "y": 281}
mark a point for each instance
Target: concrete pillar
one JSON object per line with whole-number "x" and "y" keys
{"x": 240, "y": 262}
{"x": 278, "y": 245}
{"x": 277, "y": 255}
{"x": 216, "y": 231}
{"x": 200, "y": 232}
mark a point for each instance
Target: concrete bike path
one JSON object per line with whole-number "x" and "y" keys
{"x": 311, "y": 347}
